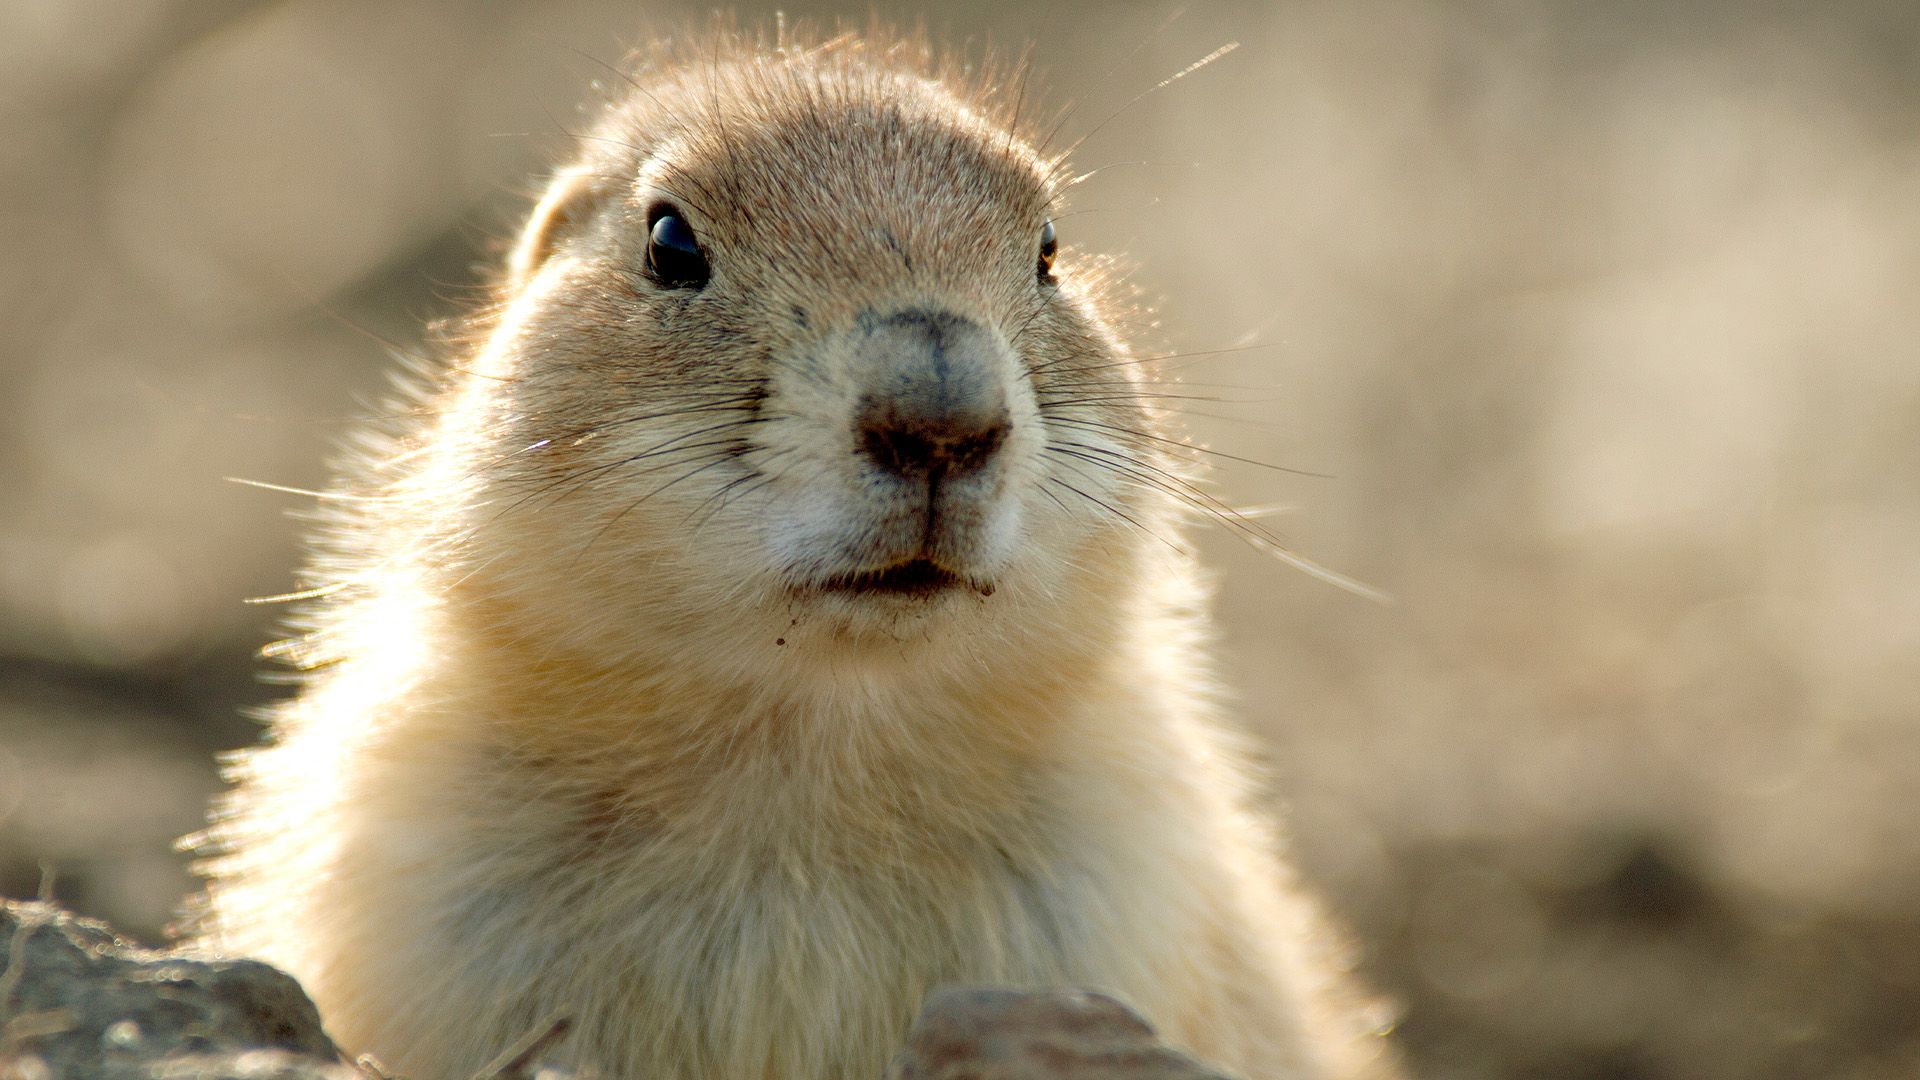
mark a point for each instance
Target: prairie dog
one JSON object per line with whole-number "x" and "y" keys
{"x": 768, "y": 616}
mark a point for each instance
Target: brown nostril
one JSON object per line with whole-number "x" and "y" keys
{"x": 909, "y": 445}
{"x": 935, "y": 400}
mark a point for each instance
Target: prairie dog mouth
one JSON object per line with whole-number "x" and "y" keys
{"x": 915, "y": 577}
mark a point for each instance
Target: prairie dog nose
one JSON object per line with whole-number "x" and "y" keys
{"x": 935, "y": 401}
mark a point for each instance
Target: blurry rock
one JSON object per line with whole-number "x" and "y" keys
{"x": 77, "y": 1002}
{"x": 995, "y": 1034}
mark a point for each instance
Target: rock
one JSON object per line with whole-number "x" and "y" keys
{"x": 998, "y": 1034}
{"x": 79, "y": 1003}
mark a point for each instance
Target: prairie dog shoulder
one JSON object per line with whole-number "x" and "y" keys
{"x": 769, "y": 620}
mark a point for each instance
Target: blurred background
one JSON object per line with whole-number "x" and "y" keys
{"x": 1602, "y": 322}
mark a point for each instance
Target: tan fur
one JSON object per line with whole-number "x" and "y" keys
{"x": 580, "y": 734}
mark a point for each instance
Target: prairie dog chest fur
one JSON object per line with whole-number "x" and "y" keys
{"x": 768, "y": 616}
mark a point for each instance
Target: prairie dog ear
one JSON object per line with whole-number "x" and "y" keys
{"x": 565, "y": 204}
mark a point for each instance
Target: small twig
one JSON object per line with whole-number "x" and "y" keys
{"x": 17, "y": 955}
{"x": 371, "y": 1068}
{"x": 27, "y": 1027}
{"x": 513, "y": 1061}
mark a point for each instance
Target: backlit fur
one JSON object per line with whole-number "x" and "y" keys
{"x": 582, "y": 732}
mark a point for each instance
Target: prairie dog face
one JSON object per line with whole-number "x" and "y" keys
{"x": 788, "y": 357}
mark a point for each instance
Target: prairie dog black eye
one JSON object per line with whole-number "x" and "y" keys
{"x": 674, "y": 258}
{"x": 1049, "y": 244}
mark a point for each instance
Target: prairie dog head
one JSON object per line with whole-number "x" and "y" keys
{"x": 787, "y": 364}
